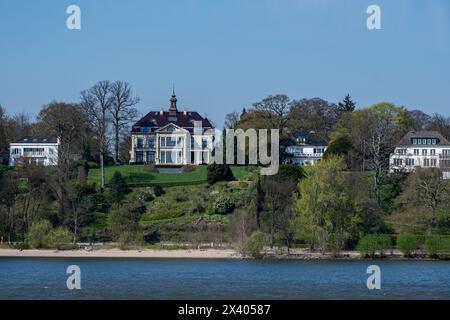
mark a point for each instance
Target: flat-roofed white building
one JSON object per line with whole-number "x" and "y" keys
{"x": 30, "y": 150}
{"x": 307, "y": 148}
{"x": 425, "y": 149}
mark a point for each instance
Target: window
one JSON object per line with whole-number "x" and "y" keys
{"x": 204, "y": 143}
{"x": 139, "y": 143}
{"x": 50, "y": 151}
{"x": 150, "y": 157}
{"x": 426, "y": 162}
{"x": 446, "y": 152}
{"x": 432, "y": 152}
{"x": 433, "y": 162}
{"x": 398, "y": 162}
{"x": 414, "y": 141}
{"x": 433, "y": 141}
{"x": 424, "y": 152}
{"x": 169, "y": 141}
{"x": 401, "y": 151}
{"x": 428, "y": 141}
{"x": 410, "y": 162}
{"x": 33, "y": 152}
{"x": 167, "y": 157}
{"x": 416, "y": 152}
{"x": 145, "y": 129}
{"x": 319, "y": 150}
{"x": 16, "y": 151}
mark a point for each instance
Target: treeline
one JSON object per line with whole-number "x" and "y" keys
{"x": 93, "y": 132}
{"x": 351, "y": 193}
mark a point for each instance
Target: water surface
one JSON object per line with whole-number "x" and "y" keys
{"x": 39, "y": 278}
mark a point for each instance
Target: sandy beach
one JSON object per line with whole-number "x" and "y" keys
{"x": 301, "y": 254}
{"x": 116, "y": 253}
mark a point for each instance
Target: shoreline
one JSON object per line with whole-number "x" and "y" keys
{"x": 115, "y": 253}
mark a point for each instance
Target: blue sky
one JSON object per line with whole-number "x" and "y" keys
{"x": 224, "y": 55}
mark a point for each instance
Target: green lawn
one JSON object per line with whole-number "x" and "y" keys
{"x": 138, "y": 177}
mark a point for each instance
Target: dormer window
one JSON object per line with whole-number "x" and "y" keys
{"x": 172, "y": 118}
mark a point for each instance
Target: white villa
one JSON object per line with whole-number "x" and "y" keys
{"x": 34, "y": 151}
{"x": 426, "y": 149}
{"x": 172, "y": 138}
{"x": 307, "y": 150}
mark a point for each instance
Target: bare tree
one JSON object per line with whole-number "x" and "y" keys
{"x": 66, "y": 122}
{"x": 231, "y": 120}
{"x": 122, "y": 111}
{"x": 275, "y": 109}
{"x": 97, "y": 103}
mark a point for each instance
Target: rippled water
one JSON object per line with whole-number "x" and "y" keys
{"x": 31, "y": 278}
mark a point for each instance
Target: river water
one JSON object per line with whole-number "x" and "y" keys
{"x": 36, "y": 278}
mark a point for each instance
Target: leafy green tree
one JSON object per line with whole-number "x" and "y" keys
{"x": 325, "y": 207}
{"x": 37, "y": 236}
{"x": 58, "y": 238}
{"x": 338, "y": 147}
{"x": 118, "y": 187}
{"x": 254, "y": 245}
{"x": 407, "y": 243}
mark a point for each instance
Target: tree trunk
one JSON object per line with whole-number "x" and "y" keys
{"x": 116, "y": 143}
{"x": 102, "y": 165}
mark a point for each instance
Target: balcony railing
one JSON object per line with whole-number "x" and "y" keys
{"x": 144, "y": 146}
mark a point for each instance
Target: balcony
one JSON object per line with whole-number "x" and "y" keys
{"x": 144, "y": 146}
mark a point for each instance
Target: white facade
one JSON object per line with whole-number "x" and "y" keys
{"x": 171, "y": 145}
{"x": 308, "y": 148}
{"x": 425, "y": 150}
{"x": 34, "y": 151}
{"x": 306, "y": 155}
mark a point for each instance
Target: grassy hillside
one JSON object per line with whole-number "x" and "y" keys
{"x": 136, "y": 176}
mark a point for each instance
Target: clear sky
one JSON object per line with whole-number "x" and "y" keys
{"x": 223, "y": 55}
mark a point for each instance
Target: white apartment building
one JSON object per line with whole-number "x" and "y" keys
{"x": 308, "y": 149}
{"x": 39, "y": 151}
{"x": 171, "y": 138}
{"x": 425, "y": 149}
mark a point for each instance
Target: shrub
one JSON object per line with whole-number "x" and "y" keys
{"x": 433, "y": 245}
{"x": 219, "y": 172}
{"x": 58, "y": 238}
{"x": 253, "y": 245}
{"x": 437, "y": 246}
{"x": 118, "y": 187}
{"x": 370, "y": 244}
{"x": 384, "y": 243}
{"x": 38, "y": 233}
{"x": 92, "y": 165}
{"x": 158, "y": 190}
{"x": 407, "y": 243}
{"x": 125, "y": 217}
{"x": 130, "y": 239}
{"x": 150, "y": 168}
{"x": 187, "y": 168}
{"x": 146, "y": 196}
{"x": 223, "y": 205}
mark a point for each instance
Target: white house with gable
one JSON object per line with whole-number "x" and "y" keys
{"x": 425, "y": 149}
